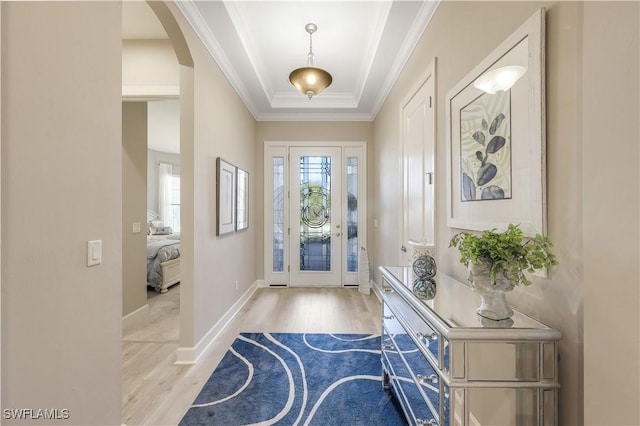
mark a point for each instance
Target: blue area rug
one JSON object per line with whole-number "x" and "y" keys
{"x": 297, "y": 379}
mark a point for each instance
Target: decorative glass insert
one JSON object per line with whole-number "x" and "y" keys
{"x": 352, "y": 214}
{"x": 278, "y": 213}
{"x": 315, "y": 213}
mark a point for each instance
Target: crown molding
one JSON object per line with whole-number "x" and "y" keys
{"x": 244, "y": 34}
{"x": 326, "y": 100}
{"x": 315, "y": 116}
{"x": 202, "y": 30}
{"x": 427, "y": 10}
{"x": 374, "y": 42}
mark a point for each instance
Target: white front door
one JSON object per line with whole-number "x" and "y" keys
{"x": 316, "y": 232}
{"x": 315, "y": 216}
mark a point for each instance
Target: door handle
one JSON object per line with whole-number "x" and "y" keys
{"x": 337, "y": 234}
{"x": 430, "y": 177}
{"x": 403, "y": 249}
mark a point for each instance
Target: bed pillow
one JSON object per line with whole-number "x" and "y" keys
{"x": 154, "y": 224}
{"x": 159, "y": 230}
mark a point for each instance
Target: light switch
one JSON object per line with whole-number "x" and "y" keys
{"x": 136, "y": 227}
{"x": 94, "y": 252}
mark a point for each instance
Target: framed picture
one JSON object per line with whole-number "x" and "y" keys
{"x": 242, "y": 200}
{"x": 225, "y": 197}
{"x": 496, "y": 138}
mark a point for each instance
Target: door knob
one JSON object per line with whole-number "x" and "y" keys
{"x": 403, "y": 249}
{"x": 337, "y": 234}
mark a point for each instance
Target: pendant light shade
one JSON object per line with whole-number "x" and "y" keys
{"x": 310, "y": 80}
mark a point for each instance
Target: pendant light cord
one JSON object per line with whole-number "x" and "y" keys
{"x": 310, "y": 55}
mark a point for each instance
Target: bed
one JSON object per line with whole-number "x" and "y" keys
{"x": 163, "y": 255}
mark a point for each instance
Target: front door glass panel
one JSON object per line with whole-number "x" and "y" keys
{"x": 278, "y": 214}
{"x": 315, "y": 213}
{"x": 352, "y": 214}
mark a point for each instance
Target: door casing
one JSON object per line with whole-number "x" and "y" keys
{"x": 417, "y": 147}
{"x": 273, "y": 149}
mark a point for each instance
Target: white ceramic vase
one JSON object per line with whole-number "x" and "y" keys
{"x": 493, "y": 303}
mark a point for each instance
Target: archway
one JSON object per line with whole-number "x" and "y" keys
{"x": 183, "y": 92}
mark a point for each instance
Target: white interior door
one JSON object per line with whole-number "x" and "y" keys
{"x": 418, "y": 149}
{"x": 316, "y": 216}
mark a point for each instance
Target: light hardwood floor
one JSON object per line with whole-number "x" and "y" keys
{"x": 156, "y": 392}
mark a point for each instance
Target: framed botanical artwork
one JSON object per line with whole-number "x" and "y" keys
{"x": 225, "y": 197}
{"x": 496, "y": 137}
{"x": 242, "y": 200}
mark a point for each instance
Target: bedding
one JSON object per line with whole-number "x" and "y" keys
{"x": 160, "y": 249}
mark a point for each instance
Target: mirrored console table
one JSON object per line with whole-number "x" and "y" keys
{"x": 448, "y": 366}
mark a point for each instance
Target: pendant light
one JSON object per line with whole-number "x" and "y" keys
{"x": 310, "y": 80}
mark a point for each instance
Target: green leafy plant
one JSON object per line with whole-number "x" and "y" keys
{"x": 507, "y": 252}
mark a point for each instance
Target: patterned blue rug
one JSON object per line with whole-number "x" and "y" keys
{"x": 297, "y": 379}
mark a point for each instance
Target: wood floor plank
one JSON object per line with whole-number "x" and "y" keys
{"x": 157, "y": 392}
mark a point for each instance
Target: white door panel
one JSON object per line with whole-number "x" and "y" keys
{"x": 418, "y": 149}
{"x": 316, "y": 216}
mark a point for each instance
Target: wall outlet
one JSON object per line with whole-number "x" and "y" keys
{"x": 136, "y": 227}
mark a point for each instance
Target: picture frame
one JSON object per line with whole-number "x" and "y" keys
{"x": 242, "y": 199}
{"x": 496, "y": 171}
{"x": 225, "y": 197}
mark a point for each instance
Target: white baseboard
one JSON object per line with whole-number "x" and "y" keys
{"x": 190, "y": 355}
{"x": 261, "y": 283}
{"x": 134, "y": 318}
{"x": 376, "y": 290}
{"x": 185, "y": 356}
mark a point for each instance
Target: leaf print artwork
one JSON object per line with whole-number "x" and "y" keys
{"x": 468, "y": 187}
{"x": 485, "y": 148}
{"x": 496, "y": 143}
{"x": 496, "y": 123}
{"x": 479, "y": 137}
{"x": 486, "y": 172}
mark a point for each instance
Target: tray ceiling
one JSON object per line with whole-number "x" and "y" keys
{"x": 363, "y": 44}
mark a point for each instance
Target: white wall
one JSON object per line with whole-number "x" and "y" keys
{"x": 221, "y": 127}
{"x": 149, "y": 66}
{"x": 164, "y": 126}
{"x": 61, "y": 186}
{"x": 134, "y": 206}
{"x": 611, "y": 184}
